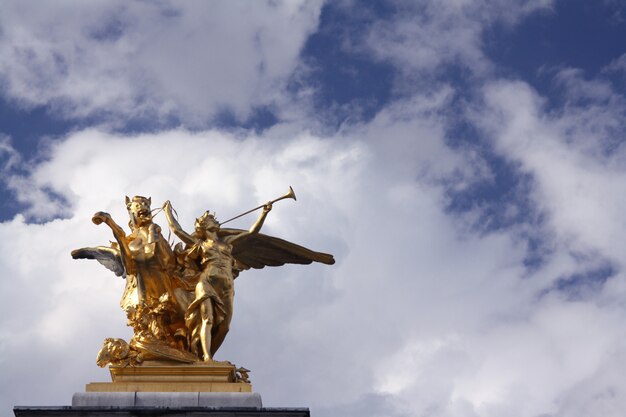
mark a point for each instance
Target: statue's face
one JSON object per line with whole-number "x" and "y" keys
{"x": 113, "y": 349}
{"x": 207, "y": 223}
{"x": 211, "y": 225}
{"x": 139, "y": 211}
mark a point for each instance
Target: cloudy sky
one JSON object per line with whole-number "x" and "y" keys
{"x": 464, "y": 160}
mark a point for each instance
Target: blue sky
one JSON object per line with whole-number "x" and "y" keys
{"x": 463, "y": 159}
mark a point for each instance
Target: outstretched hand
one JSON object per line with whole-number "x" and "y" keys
{"x": 100, "y": 217}
{"x": 167, "y": 204}
{"x": 267, "y": 207}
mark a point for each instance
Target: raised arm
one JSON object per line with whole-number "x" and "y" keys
{"x": 175, "y": 226}
{"x": 120, "y": 236}
{"x": 102, "y": 217}
{"x": 256, "y": 227}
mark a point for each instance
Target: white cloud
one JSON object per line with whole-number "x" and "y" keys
{"x": 618, "y": 65}
{"x": 424, "y": 36}
{"x": 151, "y": 59}
{"x": 576, "y": 160}
{"x": 577, "y": 87}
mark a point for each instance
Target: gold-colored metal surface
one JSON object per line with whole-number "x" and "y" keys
{"x": 162, "y": 371}
{"x": 168, "y": 376}
{"x": 290, "y": 194}
{"x": 179, "y": 300}
{"x": 168, "y": 386}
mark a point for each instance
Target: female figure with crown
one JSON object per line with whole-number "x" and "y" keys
{"x": 209, "y": 315}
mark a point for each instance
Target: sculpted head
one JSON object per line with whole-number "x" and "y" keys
{"x": 207, "y": 222}
{"x": 139, "y": 210}
{"x": 112, "y": 351}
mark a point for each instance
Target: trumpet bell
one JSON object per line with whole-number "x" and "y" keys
{"x": 291, "y": 194}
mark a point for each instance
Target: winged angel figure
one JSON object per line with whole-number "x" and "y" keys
{"x": 179, "y": 300}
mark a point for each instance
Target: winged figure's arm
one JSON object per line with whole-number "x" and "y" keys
{"x": 106, "y": 255}
{"x": 254, "y": 230}
{"x": 175, "y": 226}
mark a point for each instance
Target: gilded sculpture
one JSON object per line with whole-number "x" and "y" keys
{"x": 179, "y": 298}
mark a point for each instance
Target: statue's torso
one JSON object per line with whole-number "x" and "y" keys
{"x": 154, "y": 261}
{"x": 216, "y": 263}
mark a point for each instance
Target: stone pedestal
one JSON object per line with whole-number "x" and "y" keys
{"x": 161, "y": 412}
{"x": 167, "y": 389}
{"x": 167, "y": 399}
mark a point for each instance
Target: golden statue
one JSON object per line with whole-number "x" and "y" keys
{"x": 179, "y": 300}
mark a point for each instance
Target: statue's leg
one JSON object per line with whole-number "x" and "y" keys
{"x": 206, "y": 311}
{"x": 222, "y": 328}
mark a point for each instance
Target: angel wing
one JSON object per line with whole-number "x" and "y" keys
{"x": 259, "y": 250}
{"x": 106, "y": 255}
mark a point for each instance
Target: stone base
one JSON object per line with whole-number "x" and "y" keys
{"x": 160, "y": 412}
{"x": 167, "y": 399}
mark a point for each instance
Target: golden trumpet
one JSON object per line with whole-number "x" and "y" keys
{"x": 290, "y": 194}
